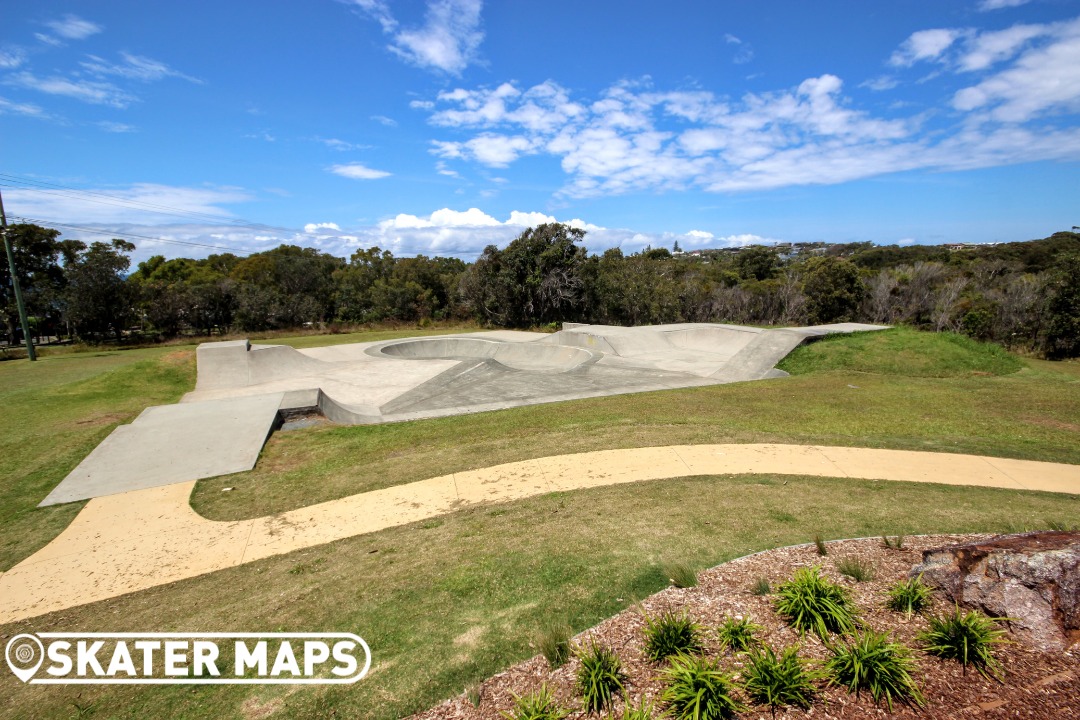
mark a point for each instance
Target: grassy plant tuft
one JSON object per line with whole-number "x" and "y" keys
{"x": 554, "y": 643}
{"x": 739, "y": 634}
{"x": 897, "y": 543}
{"x": 909, "y": 596}
{"x": 761, "y": 587}
{"x": 968, "y": 637}
{"x": 671, "y": 634}
{"x": 680, "y": 575}
{"x": 856, "y": 569}
{"x": 540, "y": 705}
{"x": 645, "y": 710}
{"x": 820, "y": 545}
{"x": 697, "y": 689}
{"x": 810, "y": 602}
{"x": 872, "y": 662}
{"x": 599, "y": 676}
{"x": 778, "y": 681}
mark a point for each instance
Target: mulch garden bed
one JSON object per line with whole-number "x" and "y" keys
{"x": 1035, "y": 685}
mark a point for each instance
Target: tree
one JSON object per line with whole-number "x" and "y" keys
{"x": 37, "y": 252}
{"x": 833, "y": 289}
{"x": 1063, "y": 310}
{"x": 97, "y": 299}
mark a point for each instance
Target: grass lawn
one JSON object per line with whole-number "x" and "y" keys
{"x": 450, "y": 601}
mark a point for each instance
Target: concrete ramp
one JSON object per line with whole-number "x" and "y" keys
{"x": 533, "y": 357}
{"x": 239, "y": 363}
{"x": 169, "y": 444}
{"x": 723, "y": 341}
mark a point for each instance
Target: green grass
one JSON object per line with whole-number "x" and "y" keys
{"x": 738, "y": 634}
{"x": 697, "y": 689}
{"x": 1033, "y": 413}
{"x": 781, "y": 680}
{"x": 669, "y": 635}
{"x": 447, "y": 607}
{"x": 540, "y": 705}
{"x": 909, "y": 596}
{"x": 902, "y": 351}
{"x": 856, "y": 569}
{"x": 599, "y": 676}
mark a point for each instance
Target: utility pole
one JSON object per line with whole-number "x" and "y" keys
{"x": 30, "y": 352}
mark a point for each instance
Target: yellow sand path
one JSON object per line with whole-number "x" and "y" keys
{"x": 136, "y": 540}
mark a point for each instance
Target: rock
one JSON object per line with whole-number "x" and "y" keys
{"x": 1032, "y": 578}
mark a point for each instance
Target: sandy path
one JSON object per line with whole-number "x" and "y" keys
{"x": 137, "y": 540}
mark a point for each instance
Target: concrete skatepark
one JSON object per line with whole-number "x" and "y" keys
{"x": 244, "y": 391}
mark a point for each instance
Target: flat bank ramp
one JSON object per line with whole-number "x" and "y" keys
{"x": 758, "y": 358}
{"x": 169, "y": 444}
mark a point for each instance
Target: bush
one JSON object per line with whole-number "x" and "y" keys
{"x": 644, "y": 710}
{"x": 554, "y": 643}
{"x": 680, "y": 575}
{"x": 811, "y": 602}
{"x": 777, "y": 681}
{"x": 599, "y": 675}
{"x": 761, "y": 587}
{"x": 897, "y": 543}
{"x": 909, "y": 596}
{"x": 671, "y": 634}
{"x": 820, "y": 545}
{"x": 856, "y": 569}
{"x": 697, "y": 689}
{"x": 540, "y": 705}
{"x": 871, "y": 662}
{"x": 965, "y": 636}
{"x": 738, "y": 634}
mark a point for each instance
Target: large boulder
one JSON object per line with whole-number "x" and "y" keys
{"x": 1032, "y": 578}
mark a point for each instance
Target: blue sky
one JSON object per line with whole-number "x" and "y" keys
{"x": 440, "y": 126}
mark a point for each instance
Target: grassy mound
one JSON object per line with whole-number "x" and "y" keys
{"x": 902, "y": 351}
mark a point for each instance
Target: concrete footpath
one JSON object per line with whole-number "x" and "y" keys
{"x": 143, "y": 538}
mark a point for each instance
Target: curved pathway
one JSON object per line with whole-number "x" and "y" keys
{"x": 143, "y": 538}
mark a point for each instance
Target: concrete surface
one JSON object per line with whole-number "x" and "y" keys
{"x": 171, "y": 444}
{"x": 144, "y": 538}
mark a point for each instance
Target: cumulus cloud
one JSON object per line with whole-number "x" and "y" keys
{"x": 447, "y": 41}
{"x": 358, "y": 171}
{"x": 312, "y": 228}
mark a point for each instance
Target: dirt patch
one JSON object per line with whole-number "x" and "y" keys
{"x": 255, "y": 709}
{"x": 1051, "y": 423}
{"x": 1036, "y": 685}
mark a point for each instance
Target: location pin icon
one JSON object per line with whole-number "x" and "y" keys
{"x": 24, "y": 655}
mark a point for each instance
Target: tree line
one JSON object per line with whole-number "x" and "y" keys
{"x": 1023, "y": 295}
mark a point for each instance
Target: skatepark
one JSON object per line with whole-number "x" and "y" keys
{"x": 245, "y": 391}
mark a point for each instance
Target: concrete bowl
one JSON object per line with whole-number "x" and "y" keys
{"x": 533, "y": 357}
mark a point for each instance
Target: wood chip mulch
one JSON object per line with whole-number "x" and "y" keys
{"x": 1036, "y": 684}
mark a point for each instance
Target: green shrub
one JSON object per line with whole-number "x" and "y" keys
{"x": 909, "y": 596}
{"x": 599, "y": 676}
{"x": 738, "y": 633}
{"x": 671, "y": 634}
{"x": 965, "y": 636}
{"x": 644, "y": 711}
{"x": 872, "y": 662}
{"x": 680, "y": 575}
{"x": 778, "y": 681}
{"x": 554, "y": 643}
{"x": 540, "y": 705}
{"x": 696, "y": 688}
{"x": 820, "y": 545}
{"x": 810, "y": 602}
{"x": 897, "y": 543}
{"x": 856, "y": 569}
{"x": 761, "y": 587}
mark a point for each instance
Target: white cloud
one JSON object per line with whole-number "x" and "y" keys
{"x": 314, "y": 227}
{"x": 133, "y": 67}
{"x": 447, "y": 41}
{"x": 12, "y": 58}
{"x": 90, "y": 91}
{"x": 73, "y": 27}
{"x": 993, "y": 47}
{"x": 987, "y": 5}
{"x": 357, "y": 171}
{"x": 8, "y": 107}
{"x": 383, "y": 120}
{"x": 125, "y": 205}
{"x": 880, "y": 83}
{"x": 924, "y": 45}
{"x": 337, "y": 144}
{"x": 700, "y": 235}
{"x": 1042, "y": 79}
{"x": 116, "y": 127}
